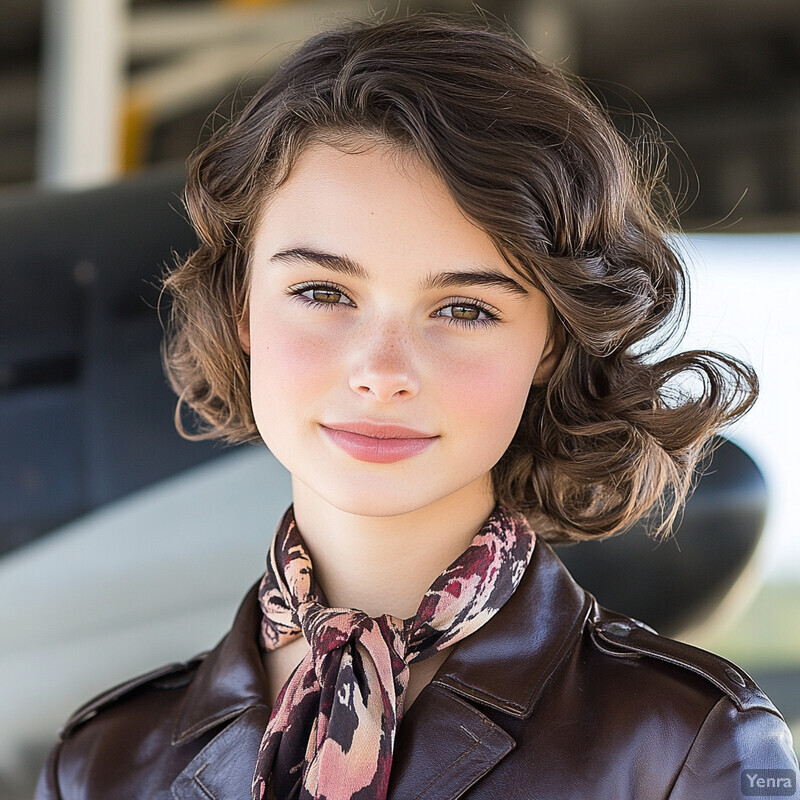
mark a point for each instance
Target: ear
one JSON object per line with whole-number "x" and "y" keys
{"x": 551, "y": 355}
{"x": 243, "y": 329}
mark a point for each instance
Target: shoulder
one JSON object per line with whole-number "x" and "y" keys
{"x": 729, "y": 723}
{"x": 164, "y": 679}
{"x": 137, "y": 738}
{"x": 654, "y": 716}
{"x": 734, "y": 747}
{"x": 108, "y": 733}
{"x": 623, "y": 637}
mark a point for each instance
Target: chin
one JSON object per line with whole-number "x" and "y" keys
{"x": 370, "y": 504}
{"x": 374, "y": 499}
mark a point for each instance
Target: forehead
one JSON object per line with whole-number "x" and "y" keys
{"x": 360, "y": 168}
{"x": 366, "y": 192}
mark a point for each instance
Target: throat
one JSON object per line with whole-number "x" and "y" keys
{"x": 421, "y": 673}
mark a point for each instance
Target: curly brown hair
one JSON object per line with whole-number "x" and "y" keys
{"x": 531, "y": 158}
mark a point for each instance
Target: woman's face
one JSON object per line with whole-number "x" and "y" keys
{"x": 369, "y": 303}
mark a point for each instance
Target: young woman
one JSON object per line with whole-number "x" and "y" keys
{"x": 432, "y": 282}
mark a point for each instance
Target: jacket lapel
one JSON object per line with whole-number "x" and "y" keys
{"x": 445, "y": 742}
{"x": 223, "y": 769}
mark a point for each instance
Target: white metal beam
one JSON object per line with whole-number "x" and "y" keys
{"x": 83, "y": 80}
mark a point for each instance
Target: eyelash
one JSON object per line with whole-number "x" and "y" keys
{"x": 297, "y": 291}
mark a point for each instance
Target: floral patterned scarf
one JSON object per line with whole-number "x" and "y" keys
{"x": 332, "y": 730}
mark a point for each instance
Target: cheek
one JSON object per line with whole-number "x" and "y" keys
{"x": 487, "y": 392}
{"x": 287, "y": 356}
{"x": 290, "y": 371}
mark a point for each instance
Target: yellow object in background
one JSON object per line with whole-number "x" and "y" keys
{"x": 135, "y": 130}
{"x": 252, "y": 3}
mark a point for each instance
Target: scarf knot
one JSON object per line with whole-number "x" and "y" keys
{"x": 331, "y": 732}
{"x": 328, "y": 630}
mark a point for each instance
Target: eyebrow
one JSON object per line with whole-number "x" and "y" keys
{"x": 444, "y": 280}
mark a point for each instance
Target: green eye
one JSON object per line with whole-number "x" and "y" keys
{"x": 323, "y": 295}
{"x": 465, "y": 313}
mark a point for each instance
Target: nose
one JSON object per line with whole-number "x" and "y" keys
{"x": 383, "y": 364}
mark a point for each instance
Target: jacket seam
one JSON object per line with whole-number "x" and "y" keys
{"x": 203, "y": 788}
{"x": 471, "y": 693}
{"x": 483, "y": 772}
{"x": 208, "y": 723}
{"x": 694, "y": 742}
{"x": 433, "y": 780}
{"x": 602, "y": 646}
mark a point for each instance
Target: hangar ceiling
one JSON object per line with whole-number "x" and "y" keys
{"x": 721, "y": 77}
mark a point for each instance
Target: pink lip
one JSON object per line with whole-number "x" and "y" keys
{"x": 382, "y": 444}
{"x": 379, "y": 430}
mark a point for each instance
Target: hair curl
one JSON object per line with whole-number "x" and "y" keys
{"x": 529, "y": 156}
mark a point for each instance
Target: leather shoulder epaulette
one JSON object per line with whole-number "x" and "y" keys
{"x": 625, "y": 637}
{"x": 170, "y": 676}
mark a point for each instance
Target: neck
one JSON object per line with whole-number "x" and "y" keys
{"x": 384, "y": 565}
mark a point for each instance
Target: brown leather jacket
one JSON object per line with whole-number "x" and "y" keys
{"x": 555, "y": 697}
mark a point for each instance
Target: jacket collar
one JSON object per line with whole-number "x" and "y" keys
{"x": 445, "y": 743}
{"x": 529, "y": 636}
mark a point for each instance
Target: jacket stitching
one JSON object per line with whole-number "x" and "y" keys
{"x": 206, "y": 724}
{"x": 470, "y": 734}
{"x": 471, "y": 692}
{"x": 478, "y": 777}
{"x": 466, "y": 753}
{"x": 601, "y": 645}
{"x": 203, "y": 788}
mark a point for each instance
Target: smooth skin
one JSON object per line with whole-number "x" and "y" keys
{"x": 326, "y": 347}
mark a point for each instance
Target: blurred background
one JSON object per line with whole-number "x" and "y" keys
{"x": 101, "y": 101}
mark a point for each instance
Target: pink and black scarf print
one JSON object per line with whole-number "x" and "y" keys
{"x": 331, "y": 733}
